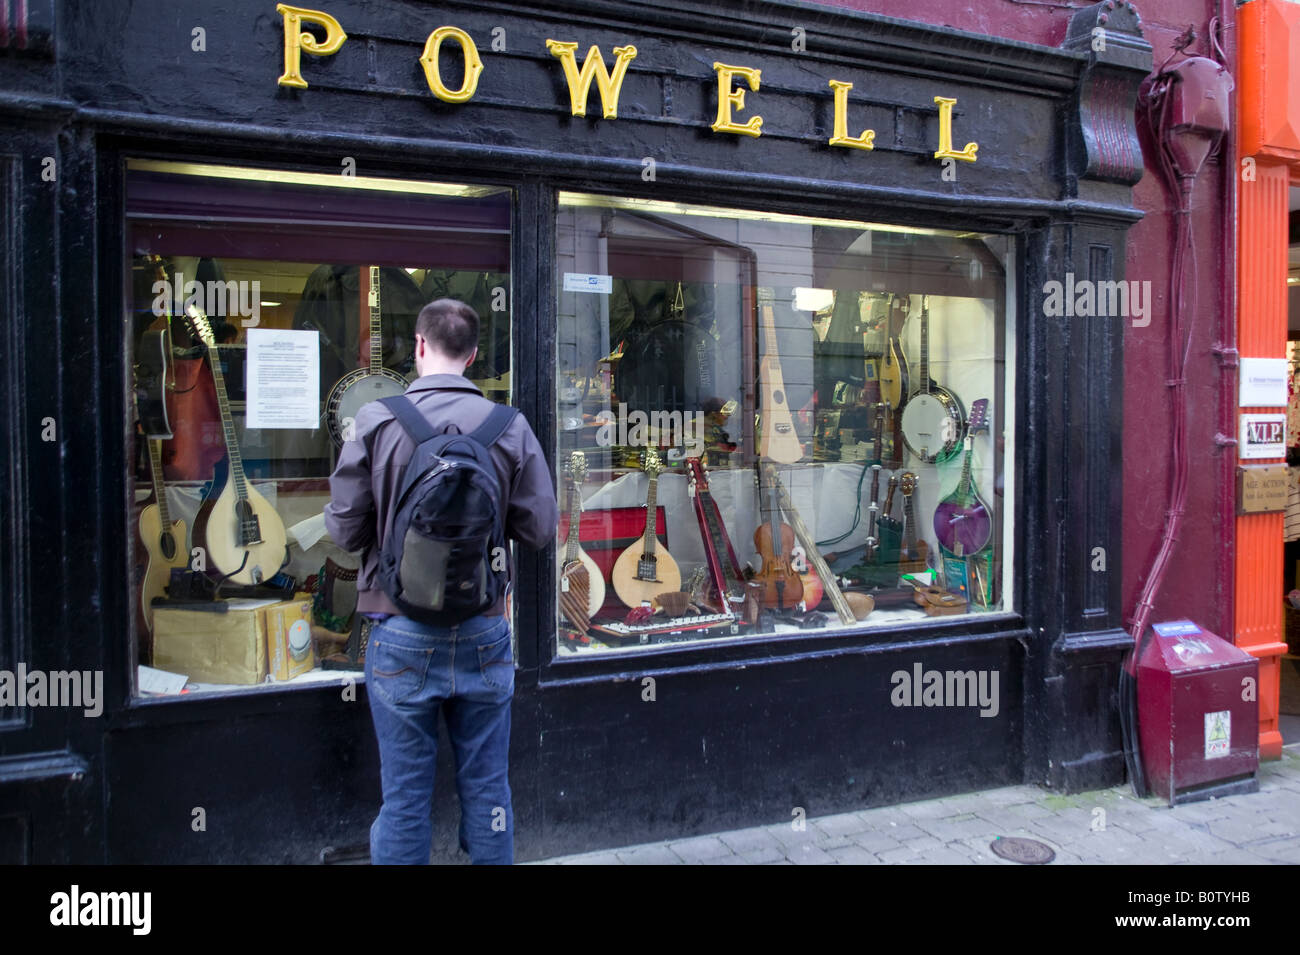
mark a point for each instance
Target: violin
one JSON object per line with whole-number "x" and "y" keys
{"x": 782, "y": 587}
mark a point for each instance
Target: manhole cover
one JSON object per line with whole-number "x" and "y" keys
{"x": 1028, "y": 851}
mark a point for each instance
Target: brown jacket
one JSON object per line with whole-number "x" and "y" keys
{"x": 370, "y": 469}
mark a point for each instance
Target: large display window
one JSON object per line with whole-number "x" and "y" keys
{"x": 773, "y": 423}
{"x": 264, "y": 308}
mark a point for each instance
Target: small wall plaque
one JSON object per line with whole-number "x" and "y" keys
{"x": 1261, "y": 488}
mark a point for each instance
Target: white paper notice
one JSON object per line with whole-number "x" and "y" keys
{"x": 283, "y": 378}
{"x": 160, "y": 681}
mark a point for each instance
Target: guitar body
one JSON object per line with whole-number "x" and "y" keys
{"x": 963, "y": 522}
{"x": 893, "y": 375}
{"x": 638, "y": 576}
{"x": 217, "y": 526}
{"x": 778, "y": 440}
{"x": 933, "y": 424}
{"x": 167, "y": 550}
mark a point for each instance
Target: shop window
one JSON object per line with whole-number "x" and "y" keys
{"x": 265, "y": 307}
{"x": 776, "y": 424}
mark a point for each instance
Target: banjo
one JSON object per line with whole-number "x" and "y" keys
{"x": 362, "y": 385}
{"x": 934, "y": 422}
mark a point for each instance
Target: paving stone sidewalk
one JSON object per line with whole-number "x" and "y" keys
{"x": 1106, "y": 826}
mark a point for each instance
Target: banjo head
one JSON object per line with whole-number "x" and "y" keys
{"x": 933, "y": 425}
{"x": 354, "y": 390}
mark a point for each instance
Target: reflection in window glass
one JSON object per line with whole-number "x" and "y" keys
{"x": 265, "y": 308}
{"x": 776, "y": 424}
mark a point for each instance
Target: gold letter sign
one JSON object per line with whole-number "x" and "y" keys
{"x": 593, "y": 67}
{"x": 729, "y": 98}
{"x": 945, "y": 150}
{"x": 296, "y": 39}
{"x": 473, "y": 64}
{"x": 840, "y": 137}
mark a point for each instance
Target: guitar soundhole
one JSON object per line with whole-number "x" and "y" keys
{"x": 778, "y": 397}
{"x": 250, "y": 528}
{"x": 167, "y": 544}
{"x": 646, "y": 568}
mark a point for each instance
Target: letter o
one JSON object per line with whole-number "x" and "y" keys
{"x": 473, "y": 64}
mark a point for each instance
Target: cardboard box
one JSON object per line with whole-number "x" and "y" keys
{"x": 210, "y": 647}
{"x": 289, "y": 647}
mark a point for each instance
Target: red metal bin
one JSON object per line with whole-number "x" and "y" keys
{"x": 1198, "y": 714}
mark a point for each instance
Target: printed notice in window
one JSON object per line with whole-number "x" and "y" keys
{"x": 283, "y": 378}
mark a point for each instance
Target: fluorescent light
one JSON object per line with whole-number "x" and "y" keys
{"x": 330, "y": 180}
{"x": 269, "y": 304}
{"x": 663, "y": 207}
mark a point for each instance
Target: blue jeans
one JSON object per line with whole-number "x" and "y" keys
{"x": 467, "y": 671}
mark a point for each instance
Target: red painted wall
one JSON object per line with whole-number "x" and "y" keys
{"x": 1199, "y": 583}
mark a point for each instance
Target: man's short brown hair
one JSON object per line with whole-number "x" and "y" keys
{"x": 449, "y": 326}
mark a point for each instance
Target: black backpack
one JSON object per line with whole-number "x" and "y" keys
{"x": 445, "y": 559}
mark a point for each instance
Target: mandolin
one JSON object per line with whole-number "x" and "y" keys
{"x": 893, "y": 368}
{"x": 912, "y": 549}
{"x": 933, "y": 421}
{"x": 363, "y": 385}
{"x": 774, "y": 541}
{"x": 582, "y": 588}
{"x": 240, "y": 530}
{"x": 163, "y": 539}
{"x": 724, "y": 568}
{"x": 962, "y": 522}
{"x": 778, "y": 440}
{"x": 646, "y": 569}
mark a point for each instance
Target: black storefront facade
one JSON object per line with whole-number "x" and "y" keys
{"x": 655, "y": 740}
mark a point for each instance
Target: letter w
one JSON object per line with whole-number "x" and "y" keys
{"x": 593, "y": 67}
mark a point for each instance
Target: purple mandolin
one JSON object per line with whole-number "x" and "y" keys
{"x": 962, "y": 522}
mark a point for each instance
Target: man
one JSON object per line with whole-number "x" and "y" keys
{"x": 412, "y": 669}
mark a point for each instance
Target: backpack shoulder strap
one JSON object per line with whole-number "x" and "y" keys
{"x": 409, "y": 418}
{"x": 491, "y": 430}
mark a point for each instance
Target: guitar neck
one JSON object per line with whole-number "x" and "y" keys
{"x": 769, "y": 332}
{"x": 648, "y": 538}
{"x": 909, "y": 525}
{"x": 575, "y": 514}
{"x": 376, "y": 327}
{"x": 925, "y": 348}
{"x": 159, "y": 487}
{"x": 228, "y": 424}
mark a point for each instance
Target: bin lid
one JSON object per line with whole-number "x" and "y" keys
{"x": 1183, "y": 645}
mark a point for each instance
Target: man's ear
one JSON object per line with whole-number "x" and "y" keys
{"x": 472, "y": 355}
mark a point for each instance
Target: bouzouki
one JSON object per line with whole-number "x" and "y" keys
{"x": 830, "y": 584}
{"x": 582, "y": 588}
{"x": 646, "y": 569}
{"x": 934, "y": 422}
{"x": 778, "y": 440}
{"x": 163, "y": 538}
{"x": 363, "y": 385}
{"x": 724, "y": 568}
{"x": 240, "y": 530}
{"x": 774, "y": 541}
{"x": 962, "y": 522}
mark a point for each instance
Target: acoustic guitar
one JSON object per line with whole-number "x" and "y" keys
{"x": 777, "y": 441}
{"x": 962, "y": 522}
{"x": 240, "y": 530}
{"x": 646, "y": 569}
{"x": 163, "y": 539}
{"x": 363, "y": 385}
{"x": 582, "y": 588}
